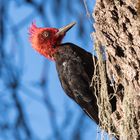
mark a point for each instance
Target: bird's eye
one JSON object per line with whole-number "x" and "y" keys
{"x": 45, "y": 34}
{"x": 54, "y": 46}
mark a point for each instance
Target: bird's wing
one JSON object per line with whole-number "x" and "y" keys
{"x": 75, "y": 79}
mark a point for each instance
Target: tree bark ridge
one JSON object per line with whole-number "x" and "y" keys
{"x": 117, "y": 25}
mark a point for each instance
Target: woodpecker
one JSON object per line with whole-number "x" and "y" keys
{"x": 74, "y": 66}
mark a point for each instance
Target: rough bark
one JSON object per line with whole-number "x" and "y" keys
{"x": 117, "y": 25}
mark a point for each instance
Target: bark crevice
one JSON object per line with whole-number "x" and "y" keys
{"x": 117, "y": 25}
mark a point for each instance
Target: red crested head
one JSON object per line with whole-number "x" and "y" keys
{"x": 46, "y": 41}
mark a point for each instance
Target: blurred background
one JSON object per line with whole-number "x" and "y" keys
{"x": 33, "y": 105}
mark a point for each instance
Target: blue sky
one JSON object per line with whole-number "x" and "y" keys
{"x": 32, "y": 65}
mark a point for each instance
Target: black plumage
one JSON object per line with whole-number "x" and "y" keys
{"x": 75, "y": 70}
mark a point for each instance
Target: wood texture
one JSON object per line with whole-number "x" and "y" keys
{"x": 117, "y": 25}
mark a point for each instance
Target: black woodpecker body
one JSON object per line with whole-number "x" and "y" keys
{"x": 75, "y": 70}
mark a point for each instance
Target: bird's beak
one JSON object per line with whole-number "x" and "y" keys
{"x": 64, "y": 29}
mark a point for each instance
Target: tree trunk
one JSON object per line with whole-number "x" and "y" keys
{"x": 117, "y": 25}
